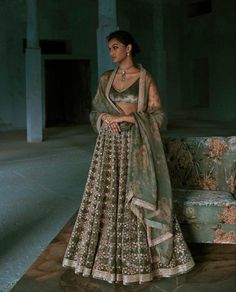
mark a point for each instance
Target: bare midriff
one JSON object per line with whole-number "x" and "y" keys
{"x": 127, "y": 108}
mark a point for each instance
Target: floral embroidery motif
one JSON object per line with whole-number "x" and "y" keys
{"x": 108, "y": 241}
{"x": 202, "y": 163}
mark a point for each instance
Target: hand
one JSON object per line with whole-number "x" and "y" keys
{"x": 112, "y": 121}
{"x": 113, "y": 126}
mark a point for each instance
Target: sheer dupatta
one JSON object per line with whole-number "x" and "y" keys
{"x": 148, "y": 188}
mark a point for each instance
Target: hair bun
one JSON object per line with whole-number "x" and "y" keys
{"x": 125, "y": 38}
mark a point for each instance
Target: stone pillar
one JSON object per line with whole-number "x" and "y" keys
{"x": 33, "y": 76}
{"x": 159, "y": 54}
{"x": 107, "y": 23}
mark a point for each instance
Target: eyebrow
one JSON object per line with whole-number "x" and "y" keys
{"x": 115, "y": 44}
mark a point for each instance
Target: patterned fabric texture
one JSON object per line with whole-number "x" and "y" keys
{"x": 108, "y": 241}
{"x": 202, "y": 163}
{"x": 148, "y": 185}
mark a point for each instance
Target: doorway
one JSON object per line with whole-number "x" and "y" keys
{"x": 67, "y": 92}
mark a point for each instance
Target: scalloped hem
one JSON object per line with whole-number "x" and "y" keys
{"x": 128, "y": 279}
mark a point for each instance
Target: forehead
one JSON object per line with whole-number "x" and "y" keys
{"x": 113, "y": 42}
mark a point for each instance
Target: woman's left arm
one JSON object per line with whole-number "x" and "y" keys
{"x": 154, "y": 106}
{"x": 119, "y": 119}
{"x": 154, "y": 100}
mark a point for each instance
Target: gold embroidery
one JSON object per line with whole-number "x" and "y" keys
{"x": 108, "y": 241}
{"x": 111, "y": 278}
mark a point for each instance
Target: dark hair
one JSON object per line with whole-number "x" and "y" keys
{"x": 125, "y": 38}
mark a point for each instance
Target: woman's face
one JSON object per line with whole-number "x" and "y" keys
{"x": 118, "y": 51}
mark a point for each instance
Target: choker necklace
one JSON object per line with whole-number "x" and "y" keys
{"x": 123, "y": 73}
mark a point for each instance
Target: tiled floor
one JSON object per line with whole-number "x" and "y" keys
{"x": 215, "y": 270}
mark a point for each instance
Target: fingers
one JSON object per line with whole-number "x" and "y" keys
{"x": 113, "y": 126}
{"x": 109, "y": 121}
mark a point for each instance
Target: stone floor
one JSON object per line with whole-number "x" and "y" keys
{"x": 41, "y": 187}
{"x": 215, "y": 270}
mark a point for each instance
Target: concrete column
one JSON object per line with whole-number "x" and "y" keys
{"x": 107, "y": 23}
{"x": 33, "y": 76}
{"x": 159, "y": 54}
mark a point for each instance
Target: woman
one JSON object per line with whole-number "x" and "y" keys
{"x": 125, "y": 230}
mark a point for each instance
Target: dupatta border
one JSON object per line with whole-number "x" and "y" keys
{"x": 159, "y": 239}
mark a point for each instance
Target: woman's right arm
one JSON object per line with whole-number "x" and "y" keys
{"x": 99, "y": 116}
{"x": 95, "y": 114}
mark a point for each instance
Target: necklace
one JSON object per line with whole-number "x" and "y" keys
{"x": 123, "y": 73}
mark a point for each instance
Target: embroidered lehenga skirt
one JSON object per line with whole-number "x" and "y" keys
{"x": 108, "y": 241}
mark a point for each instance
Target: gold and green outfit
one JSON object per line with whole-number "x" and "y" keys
{"x": 126, "y": 230}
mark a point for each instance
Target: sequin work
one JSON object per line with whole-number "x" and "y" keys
{"x": 108, "y": 241}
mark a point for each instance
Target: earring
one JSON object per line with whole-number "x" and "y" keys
{"x": 128, "y": 54}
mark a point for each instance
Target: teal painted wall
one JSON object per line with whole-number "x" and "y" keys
{"x": 207, "y": 37}
{"x": 190, "y": 45}
{"x": 57, "y": 21}
{"x": 77, "y": 22}
{"x": 189, "y": 41}
{"x": 223, "y": 61}
{"x": 137, "y": 17}
{"x": 172, "y": 30}
{"x": 12, "y": 84}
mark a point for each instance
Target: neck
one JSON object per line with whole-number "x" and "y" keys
{"x": 126, "y": 69}
{"x": 126, "y": 64}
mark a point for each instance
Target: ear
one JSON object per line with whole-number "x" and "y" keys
{"x": 129, "y": 48}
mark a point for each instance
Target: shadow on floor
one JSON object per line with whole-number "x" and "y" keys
{"x": 214, "y": 271}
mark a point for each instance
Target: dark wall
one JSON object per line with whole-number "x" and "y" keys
{"x": 191, "y": 54}
{"x": 201, "y": 47}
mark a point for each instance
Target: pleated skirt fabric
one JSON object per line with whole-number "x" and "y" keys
{"x": 108, "y": 241}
